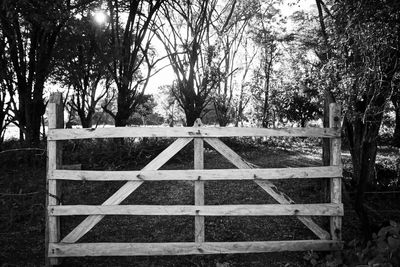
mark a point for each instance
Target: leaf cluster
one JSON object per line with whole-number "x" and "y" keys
{"x": 383, "y": 250}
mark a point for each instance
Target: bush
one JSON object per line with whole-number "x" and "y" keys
{"x": 382, "y": 250}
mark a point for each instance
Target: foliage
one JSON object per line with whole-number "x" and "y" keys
{"x": 299, "y": 104}
{"x": 7, "y": 91}
{"x": 171, "y": 110}
{"x": 5, "y": 111}
{"x": 364, "y": 50}
{"x": 29, "y": 31}
{"x": 79, "y": 67}
{"x": 265, "y": 35}
{"x": 206, "y": 36}
{"x": 190, "y": 52}
{"x": 132, "y": 57}
{"x": 144, "y": 114}
{"x": 383, "y": 250}
{"x": 243, "y": 98}
{"x": 103, "y": 118}
{"x": 231, "y": 29}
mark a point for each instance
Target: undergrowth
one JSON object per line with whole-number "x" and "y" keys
{"x": 382, "y": 251}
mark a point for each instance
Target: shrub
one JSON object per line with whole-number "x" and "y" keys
{"x": 382, "y": 250}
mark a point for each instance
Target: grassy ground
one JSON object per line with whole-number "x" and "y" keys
{"x": 22, "y": 199}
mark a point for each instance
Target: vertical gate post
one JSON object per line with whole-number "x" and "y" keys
{"x": 54, "y": 160}
{"x": 335, "y": 159}
{"x": 199, "y": 231}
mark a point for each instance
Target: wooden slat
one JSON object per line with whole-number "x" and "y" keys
{"x": 335, "y": 160}
{"x": 199, "y": 231}
{"x": 54, "y": 161}
{"x": 126, "y": 190}
{"x": 269, "y": 187}
{"x": 112, "y": 132}
{"x": 326, "y": 209}
{"x": 138, "y": 249}
{"x": 202, "y": 175}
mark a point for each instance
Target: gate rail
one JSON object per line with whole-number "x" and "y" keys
{"x": 57, "y": 247}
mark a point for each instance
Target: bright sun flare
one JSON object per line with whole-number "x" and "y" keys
{"x": 100, "y": 17}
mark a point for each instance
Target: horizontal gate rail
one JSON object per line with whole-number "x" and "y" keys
{"x": 201, "y": 175}
{"x": 73, "y": 134}
{"x": 327, "y": 209}
{"x": 187, "y": 248}
{"x": 58, "y": 247}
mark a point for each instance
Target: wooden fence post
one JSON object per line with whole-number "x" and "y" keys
{"x": 199, "y": 231}
{"x": 54, "y": 161}
{"x": 335, "y": 159}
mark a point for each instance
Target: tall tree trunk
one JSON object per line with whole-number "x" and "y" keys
{"x": 325, "y": 55}
{"x": 123, "y": 106}
{"x": 33, "y": 114}
{"x": 86, "y": 122}
{"x": 239, "y": 115}
{"x": 303, "y": 122}
{"x": 191, "y": 116}
{"x": 222, "y": 112}
{"x": 363, "y": 150}
{"x": 121, "y": 119}
{"x": 362, "y": 127}
{"x": 267, "y": 73}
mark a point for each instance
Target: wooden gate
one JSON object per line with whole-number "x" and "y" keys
{"x": 67, "y": 246}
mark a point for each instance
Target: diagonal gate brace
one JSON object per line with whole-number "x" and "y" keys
{"x": 269, "y": 187}
{"x": 122, "y": 193}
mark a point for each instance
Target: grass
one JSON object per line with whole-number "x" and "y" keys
{"x": 22, "y": 201}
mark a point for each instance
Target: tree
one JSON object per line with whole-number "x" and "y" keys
{"x": 244, "y": 96}
{"x": 173, "y": 113}
{"x": 132, "y": 56}
{"x": 267, "y": 38}
{"x": 296, "y": 94}
{"x": 367, "y": 48}
{"x": 301, "y": 105}
{"x": 230, "y": 26}
{"x": 143, "y": 110}
{"x": 79, "y": 66}
{"x": 30, "y": 30}
{"x": 7, "y": 91}
{"x": 185, "y": 31}
{"x": 5, "y": 109}
{"x": 324, "y": 51}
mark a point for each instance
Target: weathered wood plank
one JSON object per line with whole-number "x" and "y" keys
{"x": 336, "y": 160}
{"x": 138, "y": 249}
{"x": 202, "y": 175}
{"x": 112, "y": 132}
{"x": 199, "y": 231}
{"x": 54, "y": 161}
{"x": 269, "y": 187}
{"x": 325, "y": 209}
{"x": 125, "y": 190}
